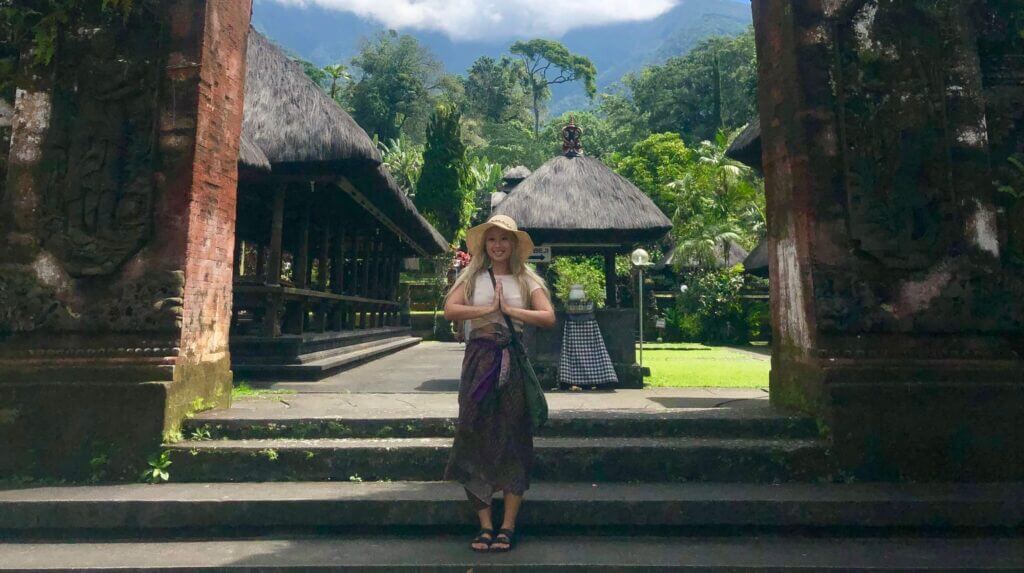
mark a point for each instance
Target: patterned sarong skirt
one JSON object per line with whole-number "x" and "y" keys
{"x": 493, "y": 448}
{"x": 584, "y": 361}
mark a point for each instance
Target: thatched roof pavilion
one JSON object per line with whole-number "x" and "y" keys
{"x": 577, "y": 200}
{"x": 321, "y": 232}
{"x": 251, "y": 157}
{"x": 756, "y": 262}
{"x": 576, "y": 204}
{"x": 292, "y": 129}
{"x": 291, "y": 119}
{"x": 746, "y": 148}
{"x": 726, "y": 254}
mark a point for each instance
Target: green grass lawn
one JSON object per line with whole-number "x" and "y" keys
{"x": 683, "y": 364}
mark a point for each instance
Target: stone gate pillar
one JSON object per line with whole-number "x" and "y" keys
{"x": 893, "y": 143}
{"x": 116, "y": 234}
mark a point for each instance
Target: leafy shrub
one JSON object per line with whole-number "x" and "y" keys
{"x": 585, "y": 271}
{"x": 714, "y": 300}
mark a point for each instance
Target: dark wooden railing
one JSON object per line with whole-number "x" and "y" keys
{"x": 272, "y": 310}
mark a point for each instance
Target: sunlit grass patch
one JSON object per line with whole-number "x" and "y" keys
{"x": 681, "y": 365}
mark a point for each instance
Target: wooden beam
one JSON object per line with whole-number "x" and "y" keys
{"x": 365, "y": 203}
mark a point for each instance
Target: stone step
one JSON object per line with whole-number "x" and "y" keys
{"x": 450, "y": 553}
{"x": 708, "y": 424}
{"x": 700, "y": 507}
{"x": 324, "y": 363}
{"x": 556, "y": 459}
{"x": 287, "y": 347}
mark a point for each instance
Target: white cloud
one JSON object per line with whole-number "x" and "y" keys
{"x": 486, "y": 19}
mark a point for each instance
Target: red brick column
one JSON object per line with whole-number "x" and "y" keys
{"x": 116, "y": 274}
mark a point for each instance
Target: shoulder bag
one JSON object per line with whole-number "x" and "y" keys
{"x": 536, "y": 403}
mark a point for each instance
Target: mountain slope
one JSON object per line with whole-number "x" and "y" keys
{"x": 325, "y": 36}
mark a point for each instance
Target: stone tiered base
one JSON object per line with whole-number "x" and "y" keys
{"x": 314, "y": 356}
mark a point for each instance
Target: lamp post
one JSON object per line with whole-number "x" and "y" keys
{"x": 641, "y": 259}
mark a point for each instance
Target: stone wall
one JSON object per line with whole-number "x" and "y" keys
{"x": 117, "y": 224}
{"x": 898, "y": 285}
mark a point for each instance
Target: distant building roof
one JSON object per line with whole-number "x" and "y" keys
{"x": 746, "y": 148}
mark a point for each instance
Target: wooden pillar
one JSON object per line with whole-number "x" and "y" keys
{"x": 237, "y": 269}
{"x": 338, "y": 277}
{"x": 610, "y": 282}
{"x": 272, "y": 308}
{"x": 364, "y": 278}
{"x": 261, "y": 262}
{"x": 323, "y": 271}
{"x": 338, "y": 261}
{"x": 323, "y": 256}
{"x": 276, "y": 225}
{"x": 300, "y": 262}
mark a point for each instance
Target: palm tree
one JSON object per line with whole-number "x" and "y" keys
{"x": 719, "y": 202}
{"x": 404, "y": 160}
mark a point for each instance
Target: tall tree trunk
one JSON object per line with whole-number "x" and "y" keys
{"x": 536, "y": 110}
{"x": 717, "y": 78}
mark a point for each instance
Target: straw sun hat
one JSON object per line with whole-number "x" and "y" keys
{"x": 475, "y": 237}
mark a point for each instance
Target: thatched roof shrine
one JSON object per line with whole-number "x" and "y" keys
{"x": 726, "y": 254}
{"x": 291, "y": 119}
{"x": 578, "y": 200}
{"x": 746, "y": 148}
{"x": 756, "y": 262}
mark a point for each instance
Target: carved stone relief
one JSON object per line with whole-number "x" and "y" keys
{"x": 100, "y": 152}
{"x": 890, "y": 85}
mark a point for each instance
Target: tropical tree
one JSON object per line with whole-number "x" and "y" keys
{"x": 549, "y": 63}
{"x": 444, "y": 190}
{"x": 713, "y": 87}
{"x": 719, "y": 202}
{"x": 512, "y": 143}
{"x": 495, "y": 89}
{"x": 394, "y": 85}
{"x": 337, "y": 79}
{"x": 485, "y": 177}
{"x": 404, "y": 160}
{"x": 654, "y": 163}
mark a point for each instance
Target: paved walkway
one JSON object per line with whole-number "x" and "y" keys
{"x": 423, "y": 381}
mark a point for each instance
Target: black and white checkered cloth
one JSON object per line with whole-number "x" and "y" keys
{"x": 585, "y": 361}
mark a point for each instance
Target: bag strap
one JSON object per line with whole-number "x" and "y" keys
{"x": 508, "y": 319}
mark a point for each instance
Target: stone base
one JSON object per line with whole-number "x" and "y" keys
{"x": 83, "y": 429}
{"x": 951, "y": 421}
{"x": 87, "y": 431}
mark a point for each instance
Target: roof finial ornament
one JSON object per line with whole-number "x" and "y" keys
{"x": 572, "y": 146}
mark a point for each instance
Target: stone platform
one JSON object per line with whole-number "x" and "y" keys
{"x": 343, "y": 475}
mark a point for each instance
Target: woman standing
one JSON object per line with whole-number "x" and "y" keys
{"x": 493, "y": 447}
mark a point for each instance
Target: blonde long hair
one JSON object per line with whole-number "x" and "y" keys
{"x": 521, "y": 271}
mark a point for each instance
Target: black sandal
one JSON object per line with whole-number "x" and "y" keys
{"x": 505, "y": 537}
{"x": 484, "y": 540}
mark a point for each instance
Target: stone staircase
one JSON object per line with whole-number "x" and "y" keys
{"x": 706, "y": 490}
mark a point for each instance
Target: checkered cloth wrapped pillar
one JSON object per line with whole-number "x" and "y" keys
{"x": 584, "y": 361}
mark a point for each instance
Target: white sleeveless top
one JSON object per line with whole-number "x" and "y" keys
{"x": 483, "y": 294}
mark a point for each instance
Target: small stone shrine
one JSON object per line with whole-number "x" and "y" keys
{"x": 576, "y": 205}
